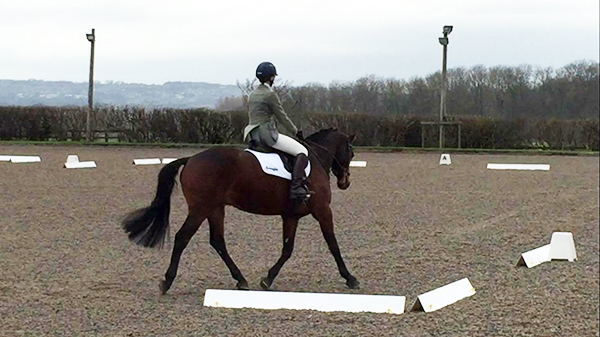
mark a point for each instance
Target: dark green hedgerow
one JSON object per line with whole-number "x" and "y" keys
{"x": 140, "y": 125}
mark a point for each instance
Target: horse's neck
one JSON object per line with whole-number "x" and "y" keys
{"x": 324, "y": 154}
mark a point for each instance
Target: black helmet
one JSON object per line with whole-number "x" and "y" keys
{"x": 265, "y": 70}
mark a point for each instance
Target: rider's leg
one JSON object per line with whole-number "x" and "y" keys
{"x": 299, "y": 186}
{"x": 289, "y": 145}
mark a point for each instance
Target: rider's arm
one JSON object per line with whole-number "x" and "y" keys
{"x": 282, "y": 117}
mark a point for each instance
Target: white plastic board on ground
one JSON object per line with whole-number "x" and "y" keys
{"x": 5, "y": 158}
{"x": 272, "y": 300}
{"x": 80, "y": 164}
{"x": 443, "y": 296}
{"x": 358, "y": 163}
{"x": 151, "y": 161}
{"x": 530, "y": 167}
{"x": 25, "y": 159}
{"x": 534, "y": 257}
{"x": 168, "y": 160}
{"x": 562, "y": 247}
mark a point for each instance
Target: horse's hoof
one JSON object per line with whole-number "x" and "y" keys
{"x": 265, "y": 283}
{"x": 162, "y": 285}
{"x": 353, "y": 283}
{"x": 243, "y": 285}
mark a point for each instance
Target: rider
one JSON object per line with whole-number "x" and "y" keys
{"x": 263, "y": 105}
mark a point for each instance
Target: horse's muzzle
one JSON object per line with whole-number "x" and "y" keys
{"x": 344, "y": 182}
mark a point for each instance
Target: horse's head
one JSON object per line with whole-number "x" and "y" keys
{"x": 339, "y": 147}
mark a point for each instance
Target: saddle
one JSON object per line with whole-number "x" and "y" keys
{"x": 286, "y": 158}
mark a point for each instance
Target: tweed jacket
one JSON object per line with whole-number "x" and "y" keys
{"x": 264, "y": 110}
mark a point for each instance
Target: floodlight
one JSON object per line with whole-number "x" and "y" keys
{"x": 443, "y": 41}
{"x": 90, "y": 37}
{"x": 447, "y": 30}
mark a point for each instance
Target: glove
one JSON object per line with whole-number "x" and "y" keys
{"x": 299, "y": 135}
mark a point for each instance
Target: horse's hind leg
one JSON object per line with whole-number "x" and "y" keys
{"x": 217, "y": 241}
{"x": 325, "y": 218}
{"x": 182, "y": 238}
{"x": 289, "y": 234}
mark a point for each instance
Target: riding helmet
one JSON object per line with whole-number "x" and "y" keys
{"x": 265, "y": 70}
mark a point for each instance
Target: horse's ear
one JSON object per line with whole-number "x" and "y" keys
{"x": 351, "y": 138}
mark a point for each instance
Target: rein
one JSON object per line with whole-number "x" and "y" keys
{"x": 326, "y": 150}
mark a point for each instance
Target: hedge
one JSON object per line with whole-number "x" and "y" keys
{"x": 162, "y": 125}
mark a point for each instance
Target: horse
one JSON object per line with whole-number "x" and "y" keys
{"x": 221, "y": 176}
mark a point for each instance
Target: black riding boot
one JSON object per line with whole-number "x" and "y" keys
{"x": 299, "y": 188}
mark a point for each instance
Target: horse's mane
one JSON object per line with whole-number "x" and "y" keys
{"x": 317, "y": 140}
{"x": 319, "y": 135}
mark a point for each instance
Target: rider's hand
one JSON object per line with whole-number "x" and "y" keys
{"x": 299, "y": 135}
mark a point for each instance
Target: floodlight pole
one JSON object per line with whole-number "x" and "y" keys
{"x": 443, "y": 98}
{"x": 444, "y": 41}
{"x": 92, "y": 39}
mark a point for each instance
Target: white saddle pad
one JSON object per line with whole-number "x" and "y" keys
{"x": 271, "y": 164}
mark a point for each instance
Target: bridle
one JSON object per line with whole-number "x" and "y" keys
{"x": 344, "y": 170}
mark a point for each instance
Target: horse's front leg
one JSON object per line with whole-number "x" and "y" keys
{"x": 325, "y": 219}
{"x": 289, "y": 234}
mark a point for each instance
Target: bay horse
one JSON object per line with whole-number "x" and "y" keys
{"x": 221, "y": 176}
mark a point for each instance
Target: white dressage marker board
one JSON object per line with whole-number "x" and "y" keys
{"x": 445, "y": 159}
{"x": 272, "y": 300}
{"x": 528, "y": 167}
{"x": 562, "y": 247}
{"x": 358, "y": 163}
{"x": 80, "y": 164}
{"x": 443, "y": 296}
{"x": 168, "y": 160}
{"x": 72, "y": 158}
{"x": 25, "y": 159}
{"x": 151, "y": 161}
{"x": 534, "y": 257}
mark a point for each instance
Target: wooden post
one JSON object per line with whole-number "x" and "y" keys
{"x": 443, "y": 98}
{"x": 444, "y": 42}
{"x": 459, "y": 135}
{"x": 92, "y": 39}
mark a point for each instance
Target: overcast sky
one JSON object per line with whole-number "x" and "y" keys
{"x": 222, "y": 41}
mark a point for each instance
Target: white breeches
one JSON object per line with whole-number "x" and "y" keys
{"x": 289, "y": 145}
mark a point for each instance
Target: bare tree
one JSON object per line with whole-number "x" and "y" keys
{"x": 500, "y": 91}
{"x": 231, "y": 103}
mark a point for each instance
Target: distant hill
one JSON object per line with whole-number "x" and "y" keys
{"x": 170, "y": 94}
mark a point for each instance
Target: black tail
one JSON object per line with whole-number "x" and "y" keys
{"x": 148, "y": 226}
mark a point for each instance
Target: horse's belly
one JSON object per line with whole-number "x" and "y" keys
{"x": 261, "y": 196}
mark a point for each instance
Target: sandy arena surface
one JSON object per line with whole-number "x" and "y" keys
{"x": 405, "y": 226}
